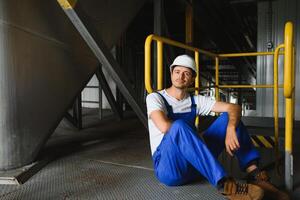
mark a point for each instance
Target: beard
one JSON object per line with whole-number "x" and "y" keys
{"x": 180, "y": 85}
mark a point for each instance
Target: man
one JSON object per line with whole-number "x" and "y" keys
{"x": 179, "y": 154}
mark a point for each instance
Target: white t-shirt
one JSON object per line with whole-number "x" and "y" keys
{"x": 155, "y": 102}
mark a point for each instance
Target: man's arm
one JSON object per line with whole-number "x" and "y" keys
{"x": 160, "y": 120}
{"x": 234, "y": 115}
{"x": 155, "y": 109}
{"x": 233, "y": 110}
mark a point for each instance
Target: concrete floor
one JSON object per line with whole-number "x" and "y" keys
{"x": 111, "y": 159}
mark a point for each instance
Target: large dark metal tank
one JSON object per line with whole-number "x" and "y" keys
{"x": 44, "y": 64}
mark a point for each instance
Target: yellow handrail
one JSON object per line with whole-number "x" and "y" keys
{"x": 289, "y": 93}
{"x": 227, "y": 55}
{"x": 288, "y": 84}
{"x": 275, "y": 106}
{"x": 197, "y": 81}
{"x": 248, "y": 86}
{"x": 160, "y": 42}
{"x": 159, "y": 65}
{"x": 288, "y": 43}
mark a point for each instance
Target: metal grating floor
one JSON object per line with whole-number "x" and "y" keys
{"x": 111, "y": 161}
{"x": 82, "y": 175}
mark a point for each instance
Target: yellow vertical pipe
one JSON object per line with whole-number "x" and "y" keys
{"x": 197, "y": 82}
{"x": 288, "y": 85}
{"x": 189, "y": 24}
{"x": 289, "y": 95}
{"x": 147, "y": 72}
{"x": 288, "y": 44}
{"x": 217, "y": 95}
{"x": 275, "y": 92}
{"x": 159, "y": 65}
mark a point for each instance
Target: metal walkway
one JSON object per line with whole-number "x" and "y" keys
{"x": 118, "y": 166}
{"x": 109, "y": 160}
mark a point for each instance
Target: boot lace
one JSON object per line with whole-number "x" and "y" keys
{"x": 241, "y": 188}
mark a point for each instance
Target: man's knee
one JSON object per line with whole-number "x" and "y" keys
{"x": 179, "y": 124}
{"x": 224, "y": 118}
{"x": 180, "y": 130}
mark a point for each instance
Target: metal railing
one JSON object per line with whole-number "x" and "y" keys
{"x": 288, "y": 86}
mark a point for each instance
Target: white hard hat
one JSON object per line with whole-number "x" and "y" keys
{"x": 185, "y": 61}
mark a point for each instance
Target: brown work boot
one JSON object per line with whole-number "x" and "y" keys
{"x": 271, "y": 192}
{"x": 241, "y": 191}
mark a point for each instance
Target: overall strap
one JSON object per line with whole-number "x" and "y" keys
{"x": 193, "y": 101}
{"x": 193, "y": 105}
{"x": 169, "y": 108}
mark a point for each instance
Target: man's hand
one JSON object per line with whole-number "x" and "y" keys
{"x": 231, "y": 140}
{"x": 234, "y": 115}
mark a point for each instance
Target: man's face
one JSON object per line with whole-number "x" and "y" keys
{"x": 182, "y": 77}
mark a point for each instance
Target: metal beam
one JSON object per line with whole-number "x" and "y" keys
{"x": 100, "y": 112}
{"x": 107, "y": 60}
{"x": 106, "y": 89}
{"x": 76, "y": 118}
{"x": 158, "y": 15}
{"x": 77, "y": 110}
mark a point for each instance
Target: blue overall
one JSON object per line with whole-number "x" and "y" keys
{"x": 182, "y": 154}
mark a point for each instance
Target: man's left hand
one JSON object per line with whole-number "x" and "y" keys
{"x": 231, "y": 140}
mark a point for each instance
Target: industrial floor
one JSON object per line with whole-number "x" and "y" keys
{"x": 111, "y": 159}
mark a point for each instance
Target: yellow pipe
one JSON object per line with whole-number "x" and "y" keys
{"x": 162, "y": 40}
{"x": 148, "y": 64}
{"x": 217, "y": 79}
{"x": 247, "y": 86}
{"x": 197, "y": 83}
{"x": 288, "y": 85}
{"x": 180, "y": 45}
{"x": 275, "y": 93}
{"x": 288, "y": 44}
{"x": 226, "y": 55}
{"x": 159, "y": 65}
